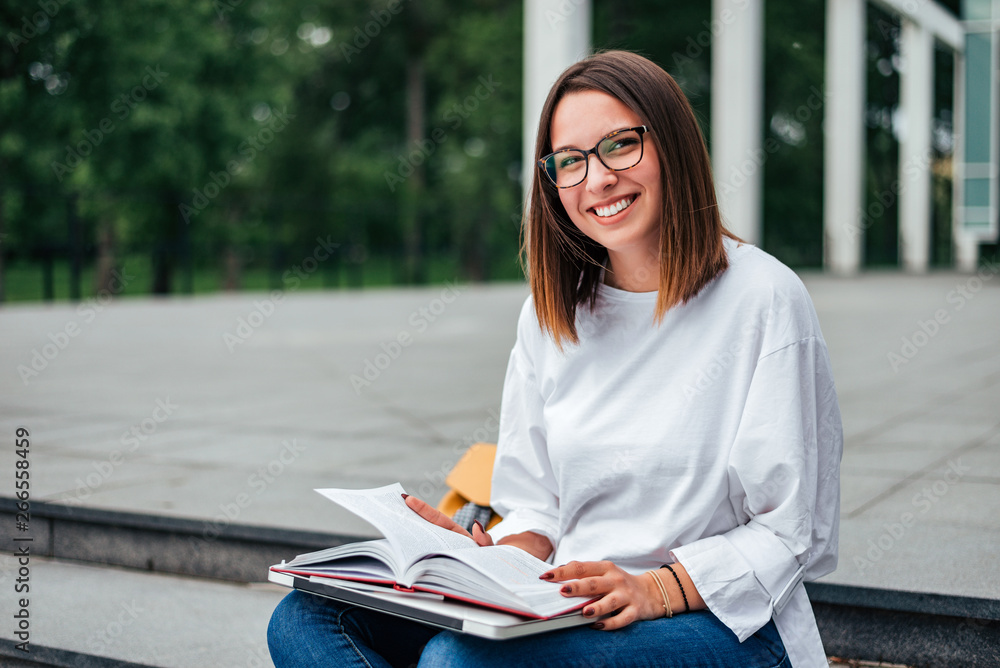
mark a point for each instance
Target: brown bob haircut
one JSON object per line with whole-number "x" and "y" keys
{"x": 563, "y": 265}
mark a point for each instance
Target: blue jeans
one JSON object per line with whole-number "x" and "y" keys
{"x": 307, "y": 630}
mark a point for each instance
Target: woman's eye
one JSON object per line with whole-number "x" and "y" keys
{"x": 621, "y": 144}
{"x": 568, "y": 161}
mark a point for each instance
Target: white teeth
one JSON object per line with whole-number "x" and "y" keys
{"x": 605, "y": 211}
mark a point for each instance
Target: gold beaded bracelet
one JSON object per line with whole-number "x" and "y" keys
{"x": 667, "y": 611}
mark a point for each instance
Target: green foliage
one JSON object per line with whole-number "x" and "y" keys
{"x": 220, "y": 139}
{"x": 199, "y": 133}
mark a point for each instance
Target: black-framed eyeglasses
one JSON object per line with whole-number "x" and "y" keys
{"x": 618, "y": 151}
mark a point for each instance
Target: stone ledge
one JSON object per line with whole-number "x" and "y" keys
{"x": 909, "y": 638}
{"x": 904, "y": 601}
{"x": 48, "y": 657}
{"x": 236, "y": 552}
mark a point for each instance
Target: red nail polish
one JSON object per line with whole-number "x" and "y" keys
{"x": 566, "y": 589}
{"x": 404, "y": 496}
{"x": 589, "y": 612}
{"x": 546, "y": 576}
{"x": 598, "y": 625}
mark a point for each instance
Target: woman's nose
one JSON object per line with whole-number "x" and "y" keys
{"x": 599, "y": 177}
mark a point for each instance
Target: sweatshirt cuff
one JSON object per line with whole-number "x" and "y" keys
{"x": 519, "y": 521}
{"x": 773, "y": 564}
{"x": 739, "y": 574}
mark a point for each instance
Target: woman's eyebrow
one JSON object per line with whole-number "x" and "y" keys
{"x": 566, "y": 146}
{"x": 563, "y": 147}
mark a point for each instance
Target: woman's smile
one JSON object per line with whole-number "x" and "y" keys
{"x": 608, "y": 214}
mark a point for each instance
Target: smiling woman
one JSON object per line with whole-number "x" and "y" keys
{"x": 664, "y": 233}
{"x": 689, "y": 512}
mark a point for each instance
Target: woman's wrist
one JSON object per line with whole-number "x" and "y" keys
{"x": 660, "y": 599}
{"x": 684, "y": 596}
{"x": 533, "y": 543}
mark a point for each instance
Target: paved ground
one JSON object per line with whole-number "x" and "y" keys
{"x": 147, "y": 618}
{"x": 236, "y": 407}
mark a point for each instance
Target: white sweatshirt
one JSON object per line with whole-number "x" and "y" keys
{"x": 713, "y": 439}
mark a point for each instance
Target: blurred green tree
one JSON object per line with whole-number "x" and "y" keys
{"x": 230, "y": 135}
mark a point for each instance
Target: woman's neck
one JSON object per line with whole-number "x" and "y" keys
{"x": 633, "y": 272}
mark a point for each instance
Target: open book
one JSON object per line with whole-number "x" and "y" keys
{"x": 416, "y": 555}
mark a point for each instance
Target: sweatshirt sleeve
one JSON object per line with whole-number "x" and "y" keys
{"x": 524, "y": 490}
{"x": 784, "y": 471}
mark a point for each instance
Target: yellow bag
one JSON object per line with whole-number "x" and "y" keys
{"x": 469, "y": 480}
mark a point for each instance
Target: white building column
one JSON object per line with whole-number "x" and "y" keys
{"x": 915, "y": 153}
{"x": 737, "y": 112}
{"x": 965, "y": 245}
{"x": 556, "y": 35}
{"x": 844, "y": 217}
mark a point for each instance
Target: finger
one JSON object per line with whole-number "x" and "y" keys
{"x": 575, "y": 570}
{"x": 479, "y": 535}
{"x": 433, "y": 515}
{"x": 619, "y": 621}
{"x": 595, "y": 586}
{"x": 611, "y": 612}
{"x": 592, "y": 588}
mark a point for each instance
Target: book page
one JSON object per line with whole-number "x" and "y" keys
{"x": 379, "y": 549}
{"x": 511, "y": 567}
{"x": 410, "y": 535}
{"x": 507, "y": 576}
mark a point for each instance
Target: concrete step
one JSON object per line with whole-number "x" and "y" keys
{"x": 145, "y": 541}
{"x": 85, "y": 616}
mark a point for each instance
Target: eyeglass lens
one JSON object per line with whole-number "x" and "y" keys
{"x": 618, "y": 152}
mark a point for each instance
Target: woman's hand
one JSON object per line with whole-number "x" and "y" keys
{"x": 435, "y": 516}
{"x": 625, "y": 596}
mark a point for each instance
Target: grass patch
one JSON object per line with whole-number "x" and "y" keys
{"x": 25, "y": 281}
